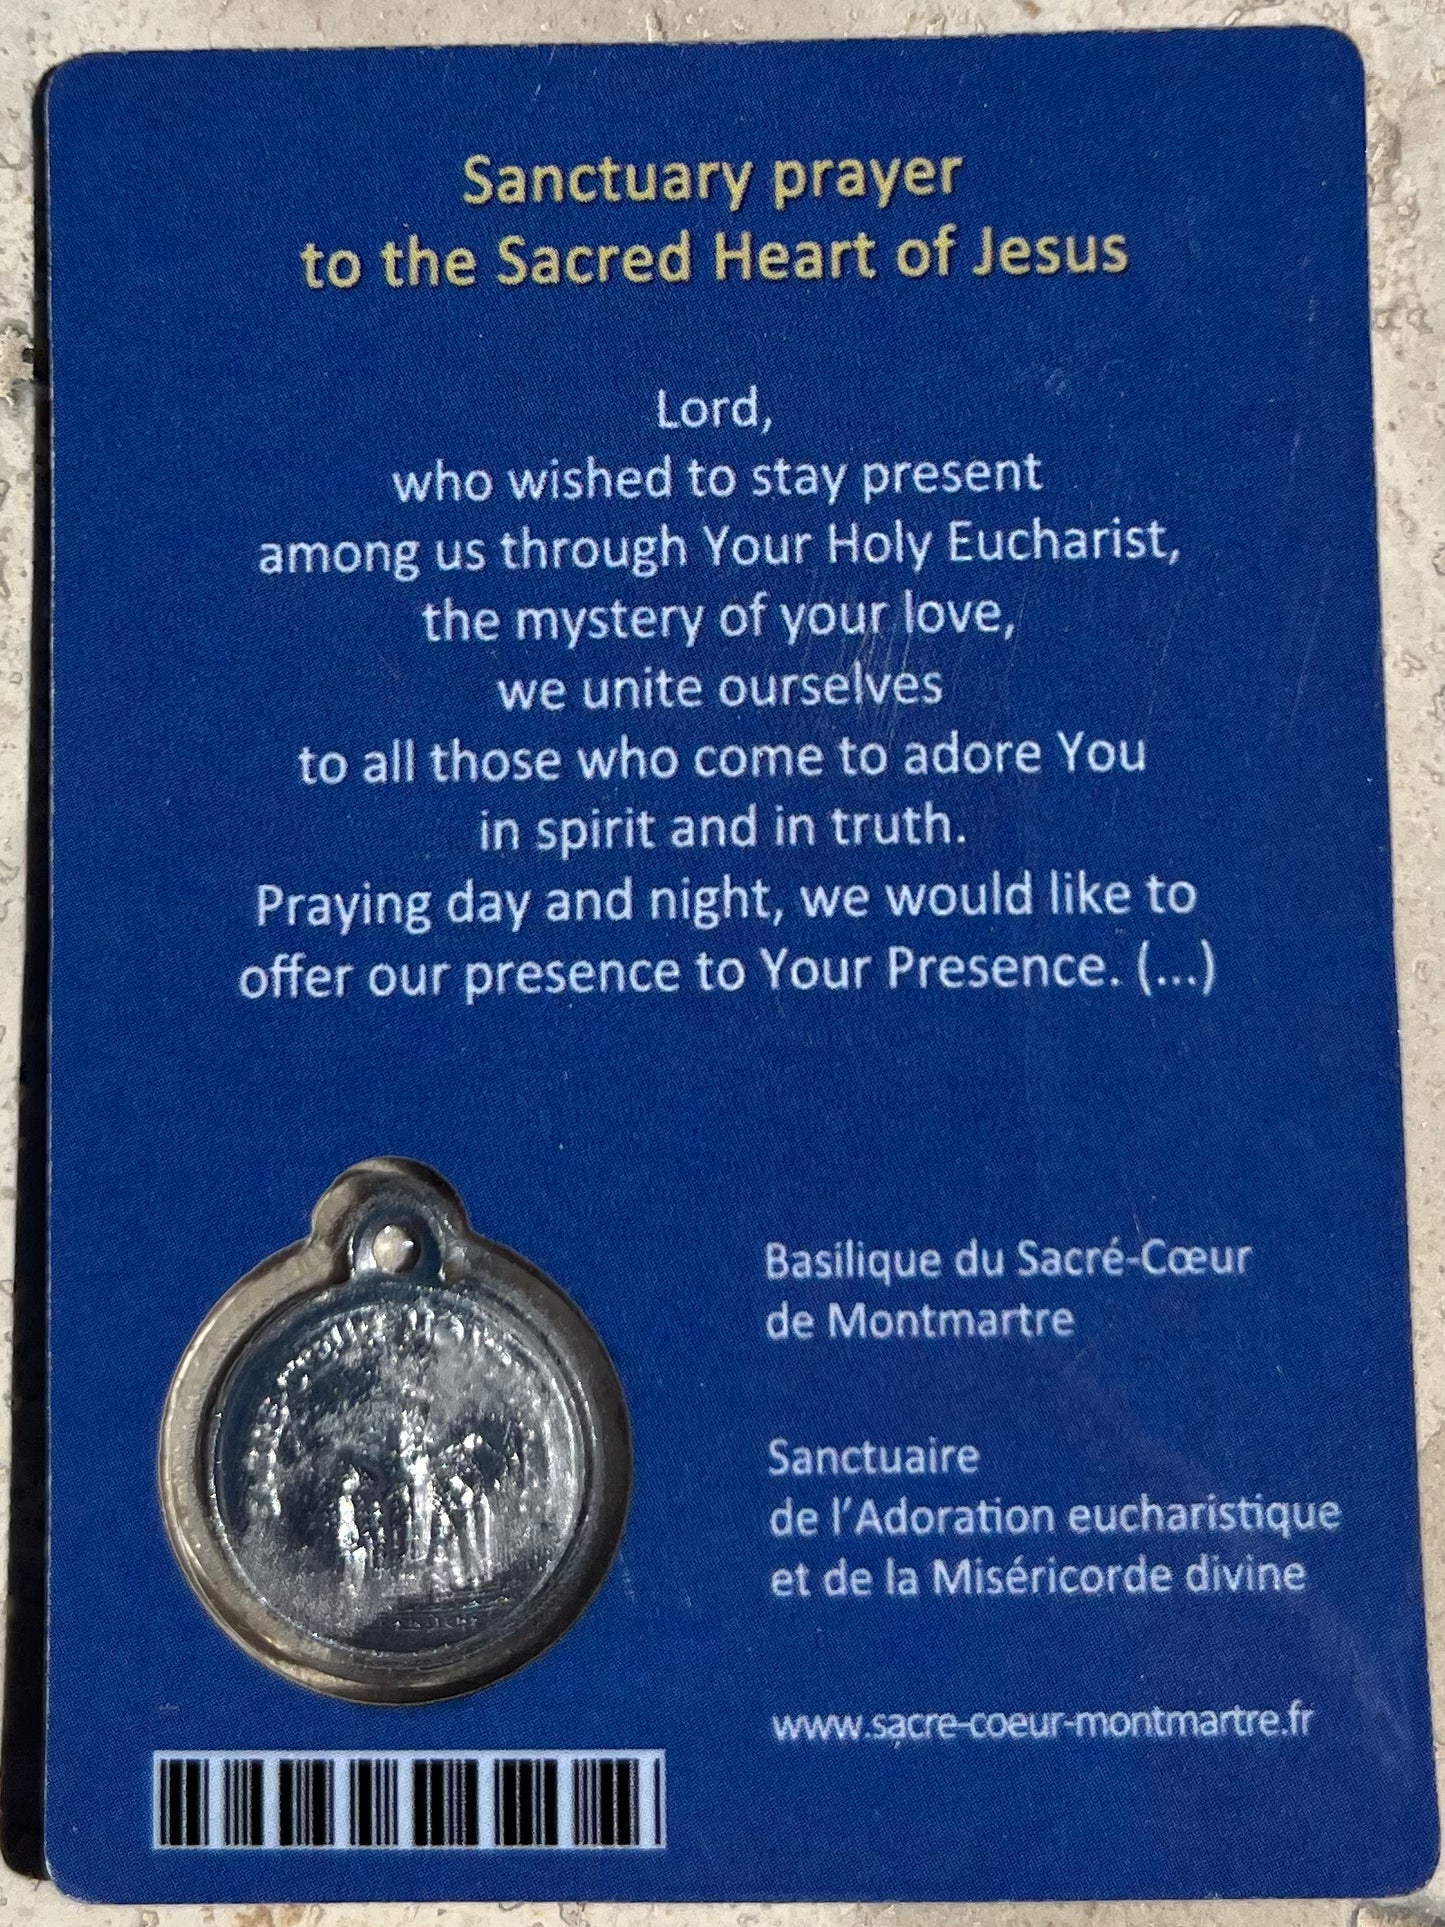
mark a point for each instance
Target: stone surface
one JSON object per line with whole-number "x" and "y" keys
{"x": 1403, "y": 44}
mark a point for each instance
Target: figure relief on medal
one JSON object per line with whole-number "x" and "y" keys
{"x": 405, "y": 1458}
{"x": 436, "y": 1519}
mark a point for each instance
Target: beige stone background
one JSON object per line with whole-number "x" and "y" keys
{"x": 1403, "y": 44}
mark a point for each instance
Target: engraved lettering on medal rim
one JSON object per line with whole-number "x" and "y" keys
{"x": 400, "y": 1474}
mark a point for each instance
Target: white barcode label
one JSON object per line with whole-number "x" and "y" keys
{"x": 344, "y": 1801}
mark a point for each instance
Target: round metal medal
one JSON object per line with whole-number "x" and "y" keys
{"x": 394, "y": 1459}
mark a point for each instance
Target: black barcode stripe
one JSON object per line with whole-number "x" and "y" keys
{"x": 171, "y": 1791}
{"x": 624, "y": 1776}
{"x": 363, "y": 1778}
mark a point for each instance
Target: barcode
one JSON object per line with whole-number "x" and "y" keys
{"x": 183, "y": 1803}
{"x": 408, "y": 1801}
{"x": 444, "y": 1803}
{"x": 605, "y": 1802}
{"x": 524, "y": 1804}
{"x": 242, "y": 1783}
{"x": 373, "y": 1820}
{"x": 306, "y": 1803}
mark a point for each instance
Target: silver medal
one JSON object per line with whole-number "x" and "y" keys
{"x": 394, "y": 1460}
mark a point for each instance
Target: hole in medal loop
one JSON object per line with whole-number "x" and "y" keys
{"x": 396, "y": 1246}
